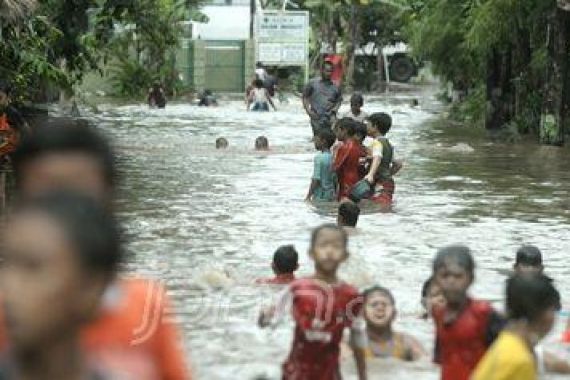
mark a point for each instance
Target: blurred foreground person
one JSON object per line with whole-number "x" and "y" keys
{"x": 131, "y": 320}
{"x": 532, "y": 304}
{"x": 60, "y": 253}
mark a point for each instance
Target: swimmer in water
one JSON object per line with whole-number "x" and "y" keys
{"x": 465, "y": 327}
{"x": 318, "y": 332}
{"x": 383, "y": 342}
{"x": 285, "y": 263}
{"x": 222, "y": 143}
{"x": 532, "y": 304}
{"x": 261, "y": 143}
{"x": 156, "y": 96}
{"x": 432, "y": 296}
{"x": 348, "y": 213}
{"x": 529, "y": 260}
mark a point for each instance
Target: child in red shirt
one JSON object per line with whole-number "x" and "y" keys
{"x": 465, "y": 327}
{"x": 285, "y": 263}
{"x": 322, "y": 307}
{"x": 347, "y": 158}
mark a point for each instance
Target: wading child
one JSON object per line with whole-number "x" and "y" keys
{"x": 259, "y": 97}
{"x": 60, "y": 252}
{"x": 323, "y": 182}
{"x": 383, "y": 342}
{"x": 348, "y": 213}
{"x": 532, "y": 304}
{"x": 221, "y": 143}
{"x": 465, "y": 327}
{"x": 66, "y": 155}
{"x": 347, "y": 160}
{"x": 323, "y": 306}
{"x": 156, "y": 96}
{"x": 529, "y": 260}
{"x": 285, "y": 263}
{"x": 356, "y": 113}
{"x": 432, "y": 296}
{"x": 261, "y": 143}
{"x": 384, "y": 165}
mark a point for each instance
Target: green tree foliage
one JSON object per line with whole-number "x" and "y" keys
{"x": 54, "y": 42}
{"x": 493, "y": 52}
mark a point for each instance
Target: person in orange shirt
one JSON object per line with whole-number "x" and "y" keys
{"x": 64, "y": 155}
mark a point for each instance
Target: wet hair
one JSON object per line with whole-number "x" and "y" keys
{"x": 460, "y": 254}
{"x": 349, "y": 212}
{"x": 221, "y": 143}
{"x": 327, "y": 138}
{"x": 379, "y": 289}
{"x": 357, "y": 98}
{"x": 528, "y": 296}
{"x": 286, "y": 259}
{"x": 258, "y": 64}
{"x": 258, "y": 83}
{"x": 92, "y": 230}
{"x": 381, "y": 121}
{"x": 529, "y": 255}
{"x": 334, "y": 227}
{"x": 261, "y": 143}
{"x": 360, "y": 131}
{"x": 427, "y": 286}
{"x": 349, "y": 125}
{"x": 207, "y": 92}
{"x": 66, "y": 135}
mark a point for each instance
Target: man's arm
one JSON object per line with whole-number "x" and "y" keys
{"x": 307, "y": 93}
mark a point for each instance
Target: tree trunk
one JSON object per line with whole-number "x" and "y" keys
{"x": 556, "y": 92}
{"x": 351, "y": 49}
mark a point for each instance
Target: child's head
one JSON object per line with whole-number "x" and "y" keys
{"x": 348, "y": 213}
{"x": 65, "y": 154}
{"x": 285, "y": 260}
{"x": 356, "y": 103}
{"x": 361, "y": 132}
{"x": 261, "y": 143}
{"x": 329, "y": 248}
{"x": 432, "y": 295}
{"x": 60, "y": 252}
{"x": 529, "y": 260}
{"x": 346, "y": 128}
{"x": 221, "y": 143}
{"x": 532, "y": 298}
{"x": 324, "y": 139}
{"x": 379, "y": 123}
{"x": 258, "y": 83}
{"x": 379, "y": 308}
{"x": 454, "y": 272}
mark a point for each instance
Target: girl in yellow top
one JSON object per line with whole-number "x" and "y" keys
{"x": 532, "y": 304}
{"x": 379, "y": 314}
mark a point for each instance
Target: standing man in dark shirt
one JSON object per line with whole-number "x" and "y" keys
{"x": 322, "y": 99}
{"x": 12, "y": 125}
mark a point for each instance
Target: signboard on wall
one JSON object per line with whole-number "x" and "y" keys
{"x": 282, "y": 38}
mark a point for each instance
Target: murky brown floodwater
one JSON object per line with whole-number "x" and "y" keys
{"x": 207, "y": 222}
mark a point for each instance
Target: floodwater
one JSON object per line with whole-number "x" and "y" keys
{"x": 207, "y": 222}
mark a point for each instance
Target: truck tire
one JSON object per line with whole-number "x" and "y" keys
{"x": 402, "y": 69}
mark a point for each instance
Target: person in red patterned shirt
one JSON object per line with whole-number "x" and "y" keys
{"x": 285, "y": 263}
{"x": 323, "y": 306}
